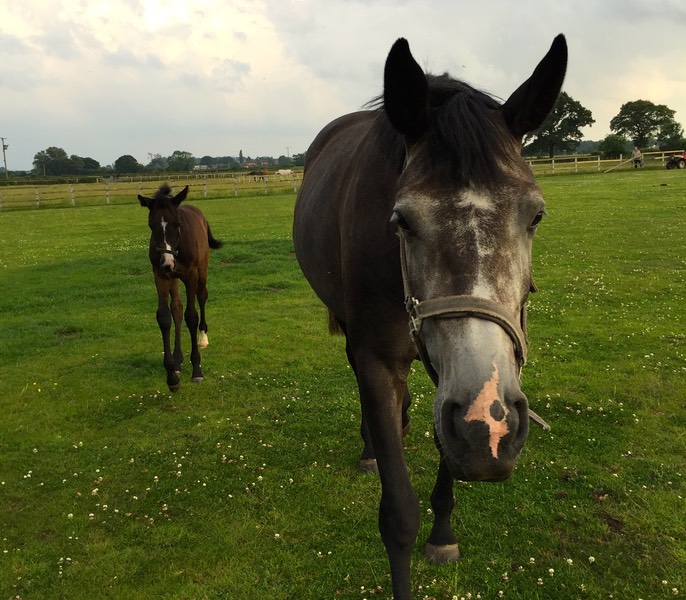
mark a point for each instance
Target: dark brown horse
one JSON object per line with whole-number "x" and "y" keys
{"x": 180, "y": 243}
{"x": 424, "y": 205}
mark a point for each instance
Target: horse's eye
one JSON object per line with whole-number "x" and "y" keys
{"x": 537, "y": 219}
{"x": 400, "y": 222}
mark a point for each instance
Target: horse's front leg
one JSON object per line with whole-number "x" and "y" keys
{"x": 164, "y": 320}
{"x": 368, "y": 458}
{"x": 192, "y": 320}
{"x": 441, "y": 547}
{"x": 382, "y": 390}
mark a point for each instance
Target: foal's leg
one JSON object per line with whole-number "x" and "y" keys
{"x": 441, "y": 547}
{"x": 164, "y": 320}
{"x": 203, "y": 342}
{"x": 191, "y": 316}
{"x": 177, "y": 315}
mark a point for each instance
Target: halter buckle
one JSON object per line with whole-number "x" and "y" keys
{"x": 411, "y": 304}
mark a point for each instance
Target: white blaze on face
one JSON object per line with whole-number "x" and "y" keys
{"x": 167, "y": 259}
{"x": 480, "y": 410}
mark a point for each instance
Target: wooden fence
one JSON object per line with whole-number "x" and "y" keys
{"x": 125, "y": 190}
{"x": 590, "y": 164}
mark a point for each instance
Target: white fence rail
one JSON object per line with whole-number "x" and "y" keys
{"x": 588, "y": 164}
{"x": 125, "y": 190}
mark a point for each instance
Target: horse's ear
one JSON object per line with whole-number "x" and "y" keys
{"x": 147, "y": 202}
{"x": 406, "y": 92}
{"x": 527, "y": 108}
{"x": 180, "y": 197}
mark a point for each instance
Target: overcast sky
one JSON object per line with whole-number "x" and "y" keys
{"x": 104, "y": 78}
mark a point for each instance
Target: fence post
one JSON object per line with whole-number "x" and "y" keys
{"x": 204, "y": 186}
{"x": 71, "y": 194}
{"x": 0, "y": 200}
{"x": 37, "y": 197}
{"x": 235, "y": 186}
{"x": 598, "y": 163}
{"x": 264, "y": 178}
{"x": 576, "y": 165}
{"x": 295, "y": 184}
{"x": 107, "y": 192}
{"x": 553, "y": 163}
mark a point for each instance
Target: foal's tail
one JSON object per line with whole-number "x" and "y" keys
{"x": 334, "y": 325}
{"x": 214, "y": 243}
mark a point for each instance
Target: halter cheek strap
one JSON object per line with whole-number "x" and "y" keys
{"x": 463, "y": 306}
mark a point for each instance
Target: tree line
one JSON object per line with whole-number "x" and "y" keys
{"x": 55, "y": 161}
{"x": 639, "y": 123}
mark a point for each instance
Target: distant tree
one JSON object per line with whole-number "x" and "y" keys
{"x": 53, "y": 161}
{"x": 127, "y": 164}
{"x": 613, "y": 145}
{"x": 78, "y": 163}
{"x": 561, "y": 131}
{"x": 90, "y": 164}
{"x": 642, "y": 121}
{"x": 157, "y": 163}
{"x": 299, "y": 160}
{"x": 208, "y": 161}
{"x": 40, "y": 162}
{"x": 181, "y": 161}
{"x": 670, "y": 136}
{"x": 284, "y": 161}
{"x": 241, "y": 160}
{"x": 56, "y": 153}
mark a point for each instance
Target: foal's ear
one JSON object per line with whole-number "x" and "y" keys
{"x": 147, "y": 202}
{"x": 527, "y": 108}
{"x": 180, "y": 197}
{"x": 406, "y": 92}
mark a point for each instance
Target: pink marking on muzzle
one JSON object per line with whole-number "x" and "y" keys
{"x": 480, "y": 410}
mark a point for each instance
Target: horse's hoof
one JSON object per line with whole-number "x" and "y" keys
{"x": 203, "y": 342}
{"x": 197, "y": 379}
{"x": 439, "y": 555}
{"x": 368, "y": 465}
{"x": 175, "y": 387}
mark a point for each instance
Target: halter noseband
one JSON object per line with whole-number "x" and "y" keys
{"x": 462, "y": 306}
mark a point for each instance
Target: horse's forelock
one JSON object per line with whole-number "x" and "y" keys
{"x": 467, "y": 135}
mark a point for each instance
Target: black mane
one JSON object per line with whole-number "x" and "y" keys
{"x": 467, "y": 136}
{"x": 164, "y": 192}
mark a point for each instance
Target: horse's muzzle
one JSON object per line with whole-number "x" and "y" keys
{"x": 482, "y": 439}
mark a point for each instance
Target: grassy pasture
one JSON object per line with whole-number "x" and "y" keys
{"x": 244, "y": 486}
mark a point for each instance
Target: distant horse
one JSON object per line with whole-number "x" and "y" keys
{"x": 180, "y": 243}
{"x": 424, "y": 205}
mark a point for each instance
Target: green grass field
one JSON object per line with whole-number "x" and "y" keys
{"x": 244, "y": 487}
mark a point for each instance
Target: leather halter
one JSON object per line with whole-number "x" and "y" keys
{"x": 463, "y": 306}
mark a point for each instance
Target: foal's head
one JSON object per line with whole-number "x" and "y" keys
{"x": 163, "y": 220}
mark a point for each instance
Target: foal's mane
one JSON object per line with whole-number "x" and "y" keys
{"x": 467, "y": 137}
{"x": 164, "y": 192}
